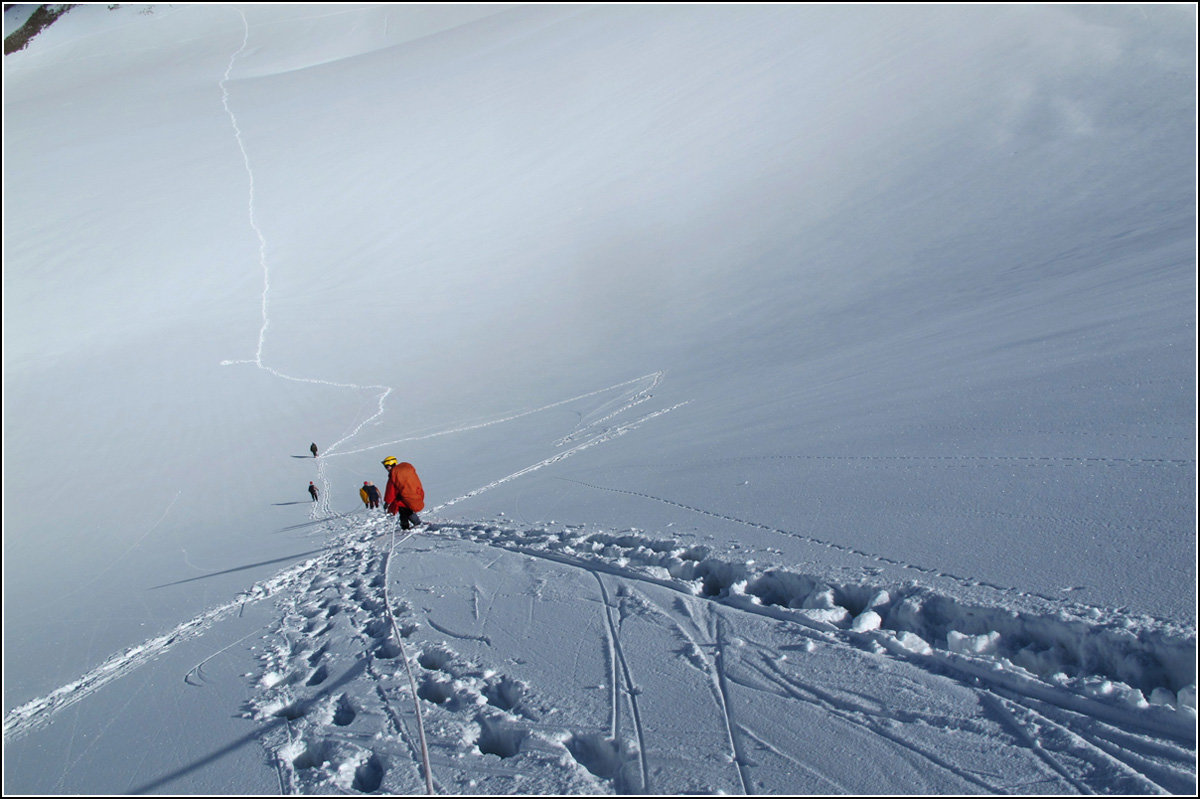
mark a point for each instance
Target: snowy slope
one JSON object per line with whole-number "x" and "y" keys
{"x": 788, "y": 382}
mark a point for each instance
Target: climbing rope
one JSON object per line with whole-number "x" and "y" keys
{"x": 412, "y": 683}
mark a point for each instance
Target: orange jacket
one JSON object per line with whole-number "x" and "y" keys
{"x": 404, "y": 489}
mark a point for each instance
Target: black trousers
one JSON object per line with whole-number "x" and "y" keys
{"x": 408, "y": 519}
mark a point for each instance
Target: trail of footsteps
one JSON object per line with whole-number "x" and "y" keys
{"x": 336, "y": 677}
{"x": 965, "y": 581}
{"x": 322, "y": 506}
{"x": 338, "y": 734}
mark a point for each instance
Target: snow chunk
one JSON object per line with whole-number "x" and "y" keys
{"x": 913, "y": 643}
{"x": 880, "y": 599}
{"x": 1162, "y": 696}
{"x": 832, "y": 617}
{"x": 821, "y": 599}
{"x": 866, "y": 621}
{"x": 271, "y": 679}
{"x": 985, "y": 644}
{"x": 1187, "y": 697}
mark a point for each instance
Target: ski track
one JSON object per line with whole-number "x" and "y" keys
{"x": 1032, "y": 728}
{"x": 33, "y": 714}
{"x": 721, "y": 679}
{"x": 874, "y": 721}
{"x": 1090, "y": 697}
{"x": 1143, "y": 764}
{"x": 631, "y": 689}
{"x": 714, "y": 671}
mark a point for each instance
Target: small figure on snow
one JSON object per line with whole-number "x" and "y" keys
{"x": 312, "y": 489}
{"x": 313, "y": 448}
{"x": 404, "y": 495}
{"x": 372, "y": 495}
{"x": 362, "y": 494}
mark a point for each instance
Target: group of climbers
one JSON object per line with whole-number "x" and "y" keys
{"x": 369, "y": 494}
{"x": 404, "y": 496}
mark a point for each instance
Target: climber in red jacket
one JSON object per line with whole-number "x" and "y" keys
{"x": 404, "y": 495}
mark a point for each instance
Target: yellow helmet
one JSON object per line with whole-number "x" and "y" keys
{"x": 390, "y": 461}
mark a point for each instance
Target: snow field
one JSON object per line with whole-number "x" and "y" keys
{"x": 912, "y": 292}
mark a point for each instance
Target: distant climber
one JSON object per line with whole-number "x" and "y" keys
{"x": 372, "y": 495}
{"x": 404, "y": 495}
{"x": 364, "y": 496}
{"x": 312, "y": 489}
{"x": 313, "y": 448}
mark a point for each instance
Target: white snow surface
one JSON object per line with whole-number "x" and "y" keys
{"x": 805, "y": 399}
